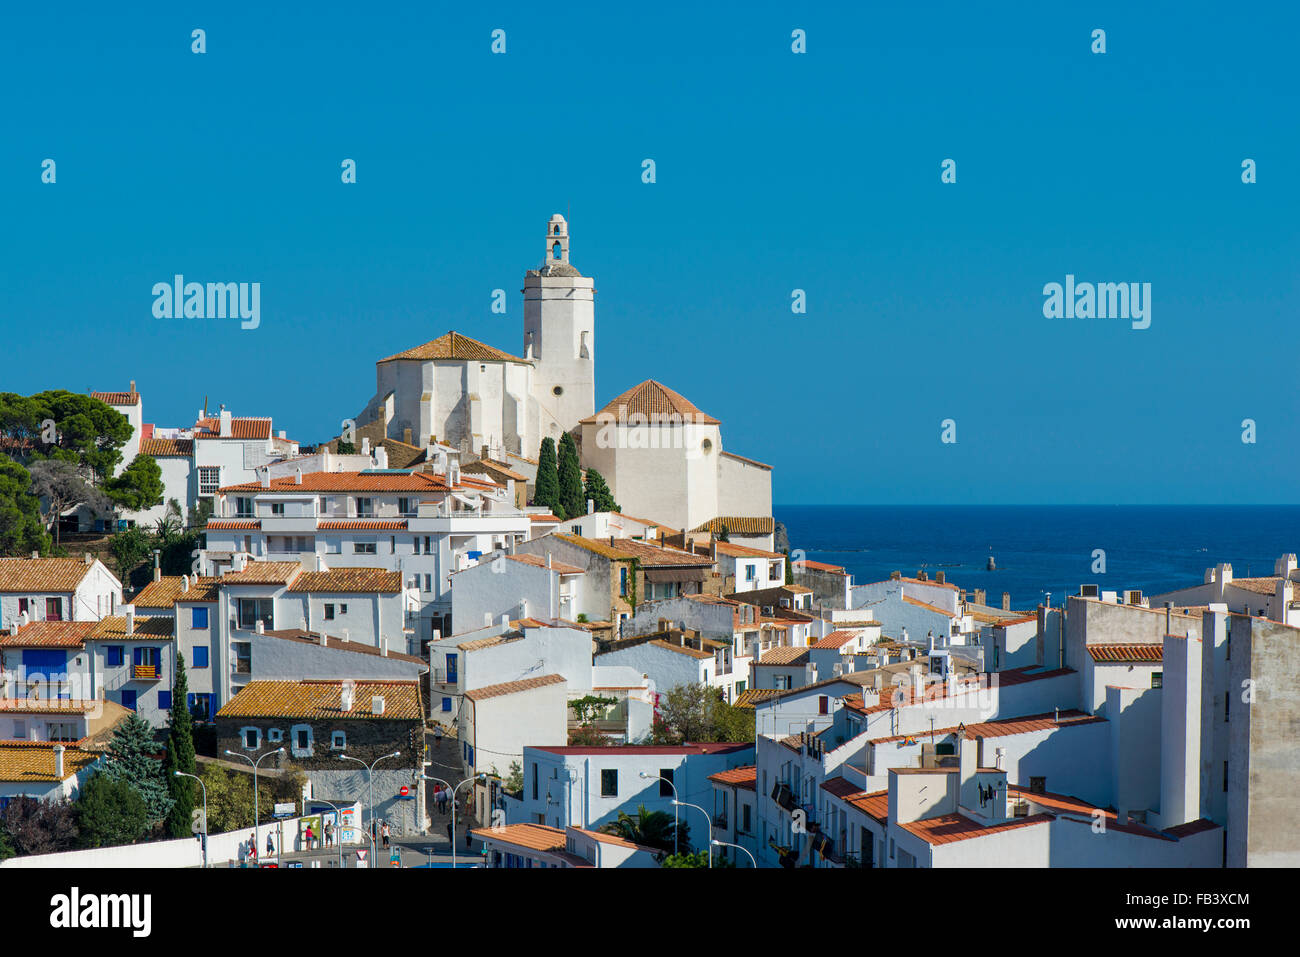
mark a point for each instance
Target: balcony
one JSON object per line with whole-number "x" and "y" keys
{"x": 146, "y": 673}
{"x": 242, "y": 666}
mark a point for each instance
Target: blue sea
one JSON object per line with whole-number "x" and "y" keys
{"x": 1045, "y": 548}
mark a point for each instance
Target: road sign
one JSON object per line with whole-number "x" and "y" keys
{"x": 405, "y": 790}
{"x": 361, "y": 854}
{"x": 286, "y": 810}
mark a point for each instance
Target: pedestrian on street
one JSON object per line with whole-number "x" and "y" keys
{"x": 252, "y": 849}
{"x": 310, "y": 837}
{"x": 442, "y": 800}
{"x": 384, "y": 831}
{"x": 329, "y": 833}
{"x": 270, "y": 846}
{"x": 451, "y": 838}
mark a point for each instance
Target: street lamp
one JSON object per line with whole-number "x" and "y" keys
{"x": 182, "y": 774}
{"x": 729, "y": 844}
{"x": 649, "y": 776}
{"x": 707, "y": 818}
{"x": 468, "y": 780}
{"x": 339, "y": 814}
{"x": 371, "y": 790}
{"x": 257, "y": 834}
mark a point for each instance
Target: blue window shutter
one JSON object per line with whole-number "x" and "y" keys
{"x": 199, "y": 618}
{"x": 200, "y": 656}
{"x": 164, "y": 700}
{"x": 128, "y": 700}
{"x": 446, "y": 704}
{"x": 189, "y": 701}
{"x": 113, "y": 656}
{"x": 137, "y": 656}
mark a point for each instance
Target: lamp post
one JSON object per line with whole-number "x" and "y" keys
{"x": 257, "y": 834}
{"x": 660, "y": 777}
{"x": 468, "y": 780}
{"x": 370, "y": 787}
{"x": 339, "y": 814}
{"x": 729, "y": 844}
{"x": 182, "y": 774}
{"x": 707, "y": 818}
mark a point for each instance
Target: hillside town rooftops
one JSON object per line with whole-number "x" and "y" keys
{"x": 144, "y": 628}
{"x": 49, "y": 634}
{"x": 263, "y": 573}
{"x": 36, "y": 575}
{"x": 324, "y": 699}
{"x": 36, "y": 761}
{"x": 170, "y": 589}
{"x": 343, "y": 580}
{"x": 739, "y": 525}
{"x": 166, "y": 448}
{"x": 242, "y": 428}
{"x": 120, "y": 399}
{"x": 628, "y": 549}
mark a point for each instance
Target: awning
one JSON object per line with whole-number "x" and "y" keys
{"x": 662, "y": 575}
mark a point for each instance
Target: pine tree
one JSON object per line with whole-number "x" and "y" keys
{"x": 547, "y": 487}
{"x": 789, "y": 570}
{"x": 723, "y": 534}
{"x": 132, "y": 758}
{"x": 599, "y": 492}
{"x": 180, "y": 755}
{"x": 571, "y": 498}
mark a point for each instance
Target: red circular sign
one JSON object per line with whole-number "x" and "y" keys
{"x": 405, "y": 790}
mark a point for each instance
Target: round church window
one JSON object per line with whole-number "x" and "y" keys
{"x": 706, "y": 446}
{"x": 558, "y": 390}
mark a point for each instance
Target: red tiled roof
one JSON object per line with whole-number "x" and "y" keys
{"x": 220, "y": 525}
{"x": 718, "y": 747}
{"x": 746, "y": 777}
{"x": 650, "y": 401}
{"x": 390, "y": 481}
{"x": 947, "y": 828}
{"x": 246, "y": 428}
{"x": 820, "y": 566}
{"x": 835, "y": 639}
{"x": 342, "y": 580}
{"x": 874, "y": 804}
{"x": 513, "y": 687}
{"x": 1004, "y": 727}
{"x": 362, "y": 525}
{"x": 117, "y": 398}
{"x": 1117, "y": 653}
{"x": 161, "y": 448}
{"x": 453, "y": 345}
{"x": 49, "y": 634}
{"x": 36, "y": 575}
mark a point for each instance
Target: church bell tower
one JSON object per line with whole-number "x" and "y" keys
{"x": 560, "y": 336}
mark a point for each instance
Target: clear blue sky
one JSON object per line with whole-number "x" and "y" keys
{"x": 775, "y": 171}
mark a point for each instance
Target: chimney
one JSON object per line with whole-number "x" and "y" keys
{"x": 591, "y": 506}
{"x": 1006, "y": 601}
{"x": 129, "y": 612}
{"x": 918, "y": 683}
{"x": 226, "y": 426}
{"x": 381, "y": 457}
{"x": 980, "y": 596}
{"x": 265, "y": 476}
{"x": 36, "y": 554}
{"x": 347, "y": 692}
{"x": 365, "y": 445}
{"x": 133, "y": 387}
{"x": 185, "y": 583}
{"x": 90, "y": 559}
{"x": 157, "y": 566}
{"x": 383, "y": 651}
{"x": 940, "y": 578}
{"x": 261, "y": 627}
{"x": 611, "y": 541}
{"x": 297, "y": 476}
{"x": 283, "y": 434}
{"x": 377, "y": 704}
{"x": 58, "y": 748}
{"x": 505, "y": 621}
{"x": 406, "y": 436}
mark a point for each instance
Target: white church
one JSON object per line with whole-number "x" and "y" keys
{"x": 661, "y": 456}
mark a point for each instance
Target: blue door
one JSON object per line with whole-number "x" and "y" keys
{"x": 128, "y": 700}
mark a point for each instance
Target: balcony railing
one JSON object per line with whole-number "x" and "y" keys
{"x": 146, "y": 672}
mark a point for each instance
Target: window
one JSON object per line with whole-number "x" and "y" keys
{"x": 534, "y": 780}
{"x": 1157, "y": 679}
{"x": 198, "y": 618}
{"x": 301, "y": 740}
{"x": 622, "y": 581}
{"x": 200, "y": 655}
{"x": 451, "y": 670}
{"x": 746, "y": 824}
{"x": 364, "y": 548}
{"x": 113, "y": 656}
{"x": 252, "y": 738}
{"x": 365, "y": 507}
{"x": 751, "y": 573}
{"x": 277, "y": 509}
{"x": 782, "y": 682}
{"x": 609, "y": 782}
{"x": 60, "y": 731}
{"x": 54, "y": 609}
{"x": 406, "y": 506}
{"x": 823, "y": 704}
{"x": 428, "y": 545}
{"x": 253, "y": 610}
{"x": 324, "y": 505}
{"x": 555, "y": 254}
{"x": 577, "y": 530}
{"x": 275, "y": 735}
{"x": 243, "y": 657}
{"x": 666, "y": 782}
{"x": 329, "y": 612}
{"x": 1227, "y": 704}
{"x": 20, "y": 731}
{"x": 209, "y": 479}
{"x": 428, "y": 583}
{"x": 774, "y": 572}
{"x": 1225, "y": 777}
{"x": 164, "y": 700}
{"x": 719, "y": 808}
{"x": 338, "y": 740}
{"x": 200, "y": 706}
{"x": 243, "y": 508}
{"x": 22, "y": 605}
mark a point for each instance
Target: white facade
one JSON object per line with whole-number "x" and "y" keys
{"x": 56, "y": 589}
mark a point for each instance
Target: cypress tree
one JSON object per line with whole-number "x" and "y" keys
{"x": 571, "y": 498}
{"x": 599, "y": 492}
{"x": 546, "y": 490}
{"x": 180, "y": 755}
{"x": 789, "y": 570}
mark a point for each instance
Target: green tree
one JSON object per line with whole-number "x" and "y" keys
{"x": 129, "y": 548}
{"x": 88, "y": 433}
{"x": 180, "y": 755}
{"x": 139, "y": 486}
{"x": 62, "y": 486}
{"x": 21, "y": 529}
{"x": 650, "y": 828}
{"x": 599, "y": 492}
{"x": 695, "y": 859}
{"x": 133, "y": 757}
{"x": 546, "y": 488}
{"x": 34, "y": 826}
{"x": 570, "y": 476}
{"x": 346, "y": 448}
{"x": 110, "y": 812}
{"x": 789, "y": 569}
{"x": 695, "y": 712}
{"x": 723, "y": 534}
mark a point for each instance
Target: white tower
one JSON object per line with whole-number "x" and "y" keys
{"x": 560, "y": 336}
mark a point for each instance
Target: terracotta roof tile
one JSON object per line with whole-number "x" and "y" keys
{"x": 534, "y": 837}
{"x": 49, "y": 634}
{"x": 117, "y": 398}
{"x": 155, "y": 628}
{"x": 453, "y": 345}
{"x": 630, "y": 548}
{"x": 393, "y": 480}
{"x": 42, "y": 574}
{"x": 650, "y": 401}
{"x": 784, "y": 655}
{"x": 740, "y": 525}
{"x": 245, "y": 428}
{"x": 163, "y": 448}
{"x": 874, "y": 805}
{"x": 363, "y": 525}
{"x": 947, "y": 828}
{"x": 539, "y": 561}
{"x": 223, "y": 525}
{"x": 324, "y": 699}
{"x": 348, "y": 580}
{"x": 33, "y": 761}
{"x": 1119, "y": 653}
{"x": 836, "y": 639}
{"x": 682, "y": 650}
{"x": 513, "y": 687}
{"x": 746, "y": 777}
{"x": 167, "y": 591}
{"x": 263, "y": 573}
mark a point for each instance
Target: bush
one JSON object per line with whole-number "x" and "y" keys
{"x": 110, "y": 812}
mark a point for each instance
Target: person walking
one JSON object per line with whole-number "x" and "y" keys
{"x": 385, "y": 832}
{"x": 252, "y": 849}
{"x": 329, "y": 833}
{"x": 270, "y": 845}
{"x": 442, "y": 799}
{"x": 451, "y": 838}
{"x": 310, "y": 837}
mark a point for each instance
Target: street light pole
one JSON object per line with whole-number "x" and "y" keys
{"x": 182, "y": 774}
{"x": 370, "y": 788}
{"x": 707, "y": 818}
{"x": 729, "y": 844}
{"x": 648, "y": 776}
{"x": 468, "y": 780}
{"x": 257, "y": 834}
